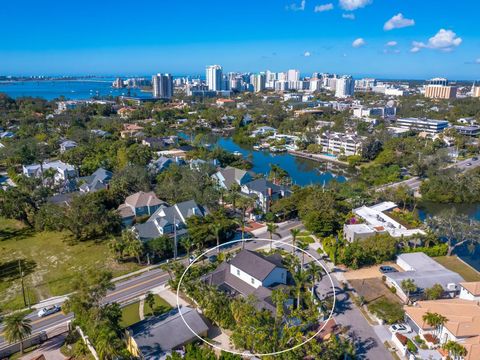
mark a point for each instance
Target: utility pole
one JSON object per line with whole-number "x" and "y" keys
{"x": 174, "y": 237}
{"x": 23, "y": 285}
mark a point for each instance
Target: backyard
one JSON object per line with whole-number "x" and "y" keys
{"x": 455, "y": 264}
{"x": 49, "y": 261}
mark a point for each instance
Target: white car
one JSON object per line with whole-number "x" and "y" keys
{"x": 400, "y": 328}
{"x": 49, "y": 310}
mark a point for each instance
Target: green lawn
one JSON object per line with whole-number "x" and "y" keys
{"x": 49, "y": 261}
{"x": 160, "y": 307}
{"x": 130, "y": 315}
{"x": 464, "y": 270}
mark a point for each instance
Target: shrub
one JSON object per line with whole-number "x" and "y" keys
{"x": 411, "y": 347}
{"x": 434, "y": 251}
{"x": 389, "y": 311}
{"x": 393, "y": 289}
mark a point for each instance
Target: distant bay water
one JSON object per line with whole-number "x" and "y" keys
{"x": 70, "y": 89}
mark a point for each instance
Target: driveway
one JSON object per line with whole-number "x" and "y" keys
{"x": 50, "y": 349}
{"x": 368, "y": 344}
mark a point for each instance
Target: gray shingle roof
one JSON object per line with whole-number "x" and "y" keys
{"x": 254, "y": 264}
{"x": 157, "y": 335}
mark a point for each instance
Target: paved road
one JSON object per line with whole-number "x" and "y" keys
{"x": 136, "y": 286}
{"x": 368, "y": 344}
{"x": 463, "y": 165}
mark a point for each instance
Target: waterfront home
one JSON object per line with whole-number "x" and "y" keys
{"x": 228, "y": 176}
{"x": 470, "y": 291}
{"x": 376, "y": 221}
{"x": 335, "y": 143}
{"x": 97, "y": 181}
{"x": 156, "y": 337}
{"x": 160, "y": 164}
{"x": 263, "y": 130}
{"x": 159, "y": 143}
{"x": 250, "y": 273}
{"x": 168, "y": 220}
{"x": 139, "y": 204}
{"x": 425, "y": 272}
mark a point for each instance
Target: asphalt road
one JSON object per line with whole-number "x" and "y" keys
{"x": 136, "y": 286}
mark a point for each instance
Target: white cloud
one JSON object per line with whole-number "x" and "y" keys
{"x": 354, "y": 4}
{"x": 349, "y": 16}
{"x": 391, "y": 43}
{"x": 324, "y": 7}
{"x": 358, "y": 43}
{"x": 296, "y": 6}
{"x": 398, "y": 22}
{"x": 443, "y": 40}
{"x": 307, "y": 54}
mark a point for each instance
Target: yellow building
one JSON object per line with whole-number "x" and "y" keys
{"x": 440, "y": 92}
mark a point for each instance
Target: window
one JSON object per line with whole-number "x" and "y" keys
{"x": 238, "y": 272}
{"x": 252, "y": 280}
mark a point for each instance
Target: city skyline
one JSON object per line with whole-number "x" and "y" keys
{"x": 394, "y": 39}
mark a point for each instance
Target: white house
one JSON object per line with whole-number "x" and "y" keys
{"x": 470, "y": 291}
{"x": 63, "y": 171}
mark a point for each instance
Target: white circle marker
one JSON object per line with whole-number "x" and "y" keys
{"x": 246, "y": 353}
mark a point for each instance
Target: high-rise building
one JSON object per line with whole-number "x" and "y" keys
{"x": 162, "y": 86}
{"x": 475, "y": 90}
{"x": 438, "y": 88}
{"x": 345, "y": 87}
{"x": 258, "y": 82}
{"x": 214, "y": 77}
{"x": 293, "y": 75}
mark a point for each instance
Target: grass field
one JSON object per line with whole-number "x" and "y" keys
{"x": 160, "y": 307}
{"x": 130, "y": 315}
{"x": 455, "y": 264}
{"x": 49, "y": 261}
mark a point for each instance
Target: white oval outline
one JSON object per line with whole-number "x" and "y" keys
{"x": 247, "y": 353}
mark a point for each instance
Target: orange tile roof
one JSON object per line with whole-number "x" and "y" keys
{"x": 472, "y": 346}
{"x": 463, "y": 315}
{"x": 473, "y": 287}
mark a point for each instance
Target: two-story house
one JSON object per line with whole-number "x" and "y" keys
{"x": 168, "y": 220}
{"x": 97, "y": 181}
{"x": 63, "y": 173}
{"x": 139, "y": 204}
{"x": 228, "y": 176}
{"x": 265, "y": 192}
{"x": 251, "y": 273}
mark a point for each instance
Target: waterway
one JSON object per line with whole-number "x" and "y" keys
{"x": 70, "y": 89}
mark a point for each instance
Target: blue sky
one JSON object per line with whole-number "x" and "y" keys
{"x": 382, "y": 38}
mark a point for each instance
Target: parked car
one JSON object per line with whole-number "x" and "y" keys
{"x": 387, "y": 269}
{"x": 400, "y": 328}
{"x": 212, "y": 258}
{"x": 191, "y": 259}
{"x": 468, "y": 164}
{"x": 49, "y": 310}
{"x": 475, "y": 158}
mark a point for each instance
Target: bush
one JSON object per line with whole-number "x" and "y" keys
{"x": 411, "y": 347}
{"x": 434, "y": 251}
{"x": 393, "y": 289}
{"x": 389, "y": 311}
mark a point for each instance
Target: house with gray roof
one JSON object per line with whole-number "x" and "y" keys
{"x": 67, "y": 145}
{"x": 251, "y": 273}
{"x": 228, "y": 176}
{"x": 154, "y": 337}
{"x": 425, "y": 272}
{"x": 168, "y": 220}
{"x": 139, "y": 204}
{"x": 265, "y": 192}
{"x": 97, "y": 181}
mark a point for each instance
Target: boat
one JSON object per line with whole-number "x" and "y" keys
{"x": 256, "y": 147}
{"x": 237, "y": 153}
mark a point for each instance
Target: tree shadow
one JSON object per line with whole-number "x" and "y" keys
{"x": 18, "y": 234}
{"x": 10, "y": 270}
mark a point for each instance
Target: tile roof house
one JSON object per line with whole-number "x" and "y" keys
{"x": 250, "y": 273}
{"x": 156, "y": 336}
{"x": 425, "y": 272}
{"x": 470, "y": 290}
{"x": 230, "y": 175}
{"x": 97, "y": 181}
{"x": 462, "y": 325}
{"x": 139, "y": 204}
{"x": 168, "y": 220}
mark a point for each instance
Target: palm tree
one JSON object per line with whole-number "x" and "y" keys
{"x": 150, "y": 301}
{"x": 409, "y": 286}
{"x": 188, "y": 244}
{"x": 455, "y": 350}
{"x": 17, "y": 328}
{"x": 301, "y": 278}
{"x": 316, "y": 273}
{"x": 216, "y": 228}
{"x": 234, "y": 189}
{"x": 106, "y": 344}
{"x": 436, "y": 321}
{"x": 303, "y": 246}
{"x": 272, "y": 230}
{"x": 294, "y": 233}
